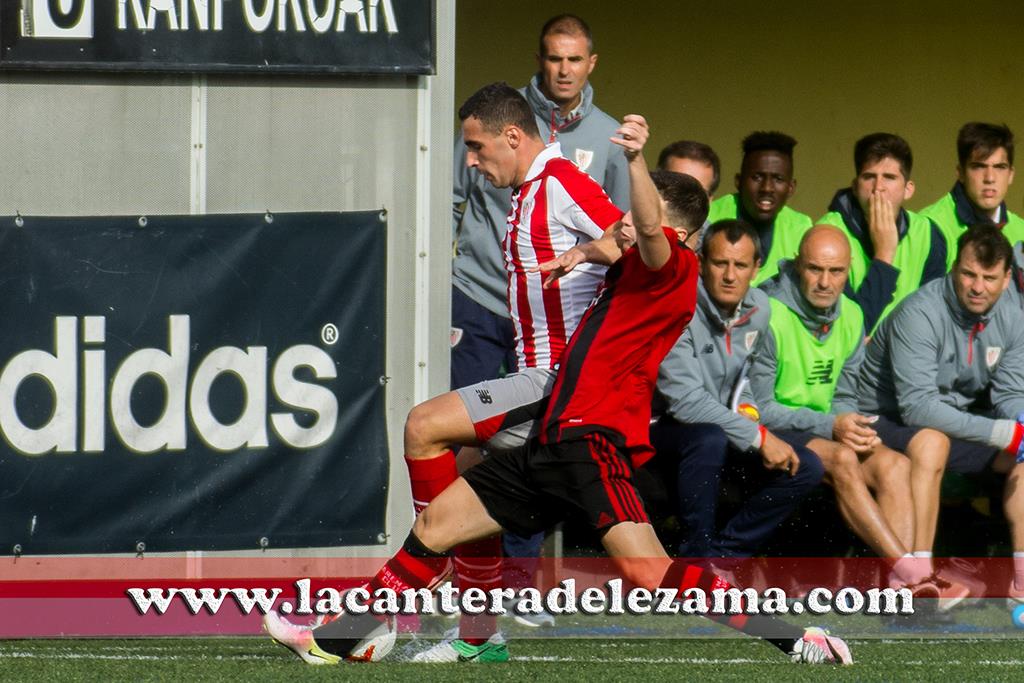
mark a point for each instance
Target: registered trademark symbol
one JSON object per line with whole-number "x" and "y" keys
{"x": 329, "y": 333}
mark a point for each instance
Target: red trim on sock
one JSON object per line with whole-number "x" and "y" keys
{"x": 404, "y": 571}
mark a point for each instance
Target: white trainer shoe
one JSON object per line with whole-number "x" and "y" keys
{"x": 452, "y": 649}
{"x": 298, "y": 639}
{"x": 818, "y": 647}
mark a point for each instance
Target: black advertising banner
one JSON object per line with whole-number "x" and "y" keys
{"x": 293, "y": 36}
{"x": 192, "y": 382}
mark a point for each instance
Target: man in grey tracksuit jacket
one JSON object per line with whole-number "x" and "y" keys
{"x": 697, "y": 383}
{"x": 950, "y": 359}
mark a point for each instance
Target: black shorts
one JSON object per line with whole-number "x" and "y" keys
{"x": 965, "y": 457}
{"x": 533, "y": 488}
{"x": 794, "y": 438}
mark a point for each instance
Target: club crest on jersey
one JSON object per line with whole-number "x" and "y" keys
{"x": 749, "y": 339}
{"x": 455, "y": 336}
{"x": 583, "y": 158}
{"x": 992, "y": 356}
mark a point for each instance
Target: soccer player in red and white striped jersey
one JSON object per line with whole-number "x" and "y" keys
{"x": 589, "y": 471}
{"x": 555, "y": 206}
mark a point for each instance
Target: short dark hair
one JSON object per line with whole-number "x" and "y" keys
{"x": 566, "y": 25}
{"x": 989, "y": 243}
{"x": 498, "y": 105}
{"x": 698, "y": 151}
{"x": 769, "y": 141}
{"x": 877, "y": 146}
{"x": 685, "y": 198}
{"x": 985, "y": 138}
{"x": 734, "y": 230}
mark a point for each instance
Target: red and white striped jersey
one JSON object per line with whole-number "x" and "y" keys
{"x": 556, "y": 207}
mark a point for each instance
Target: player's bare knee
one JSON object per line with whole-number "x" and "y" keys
{"x": 430, "y": 529}
{"x": 929, "y": 451}
{"x": 418, "y": 432}
{"x": 844, "y": 465}
{"x": 895, "y": 474}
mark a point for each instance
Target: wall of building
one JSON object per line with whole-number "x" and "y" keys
{"x": 826, "y": 73}
{"x": 78, "y": 143}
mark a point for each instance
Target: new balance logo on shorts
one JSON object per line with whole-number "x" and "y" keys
{"x": 821, "y": 372}
{"x": 485, "y": 396}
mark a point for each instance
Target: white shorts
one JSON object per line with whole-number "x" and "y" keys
{"x": 506, "y": 412}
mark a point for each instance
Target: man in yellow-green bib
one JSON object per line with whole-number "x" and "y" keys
{"x": 984, "y": 173}
{"x": 764, "y": 185}
{"x": 893, "y": 251}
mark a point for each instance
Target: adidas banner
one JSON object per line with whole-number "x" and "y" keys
{"x": 192, "y": 382}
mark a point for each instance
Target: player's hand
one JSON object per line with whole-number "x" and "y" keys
{"x": 854, "y": 430}
{"x": 625, "y": 236}
{"x": 560, "y": 266}
{"x": 882, "y": 227}
{"x": 633, "y": 134}
{"x": 776, "y": 454}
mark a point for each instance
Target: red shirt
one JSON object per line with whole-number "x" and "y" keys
{"x": 606, "y": 380}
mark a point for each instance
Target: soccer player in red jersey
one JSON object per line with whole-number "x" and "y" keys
{"x": 590, "y": 439}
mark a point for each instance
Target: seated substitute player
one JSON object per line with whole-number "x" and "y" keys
{"x": 894, "y": 251}
{"x": 983, "y": 177}
{"x": 594, "y": 427}
{"x": 700, "y": 431}
{"x": 554, "y": 206}
{"x": 803, "y": 379}
{"x": 696, "y": 160}
{"x": 764, "y": 185}
{"x": 955, "y": 345}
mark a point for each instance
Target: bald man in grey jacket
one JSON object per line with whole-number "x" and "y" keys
{"x": 804, "y": 379}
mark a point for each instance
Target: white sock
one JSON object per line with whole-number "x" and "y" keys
{"x": 912, "y": 570}
{"x": 925, "y": 557}
{"x": 1018, "y": 571}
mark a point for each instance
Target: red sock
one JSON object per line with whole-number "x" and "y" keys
{"x": 429, "y": 477}
{"x": 478, "y": 565}
{"x": 682, "y": 576}
{"x": 414, "y": 566}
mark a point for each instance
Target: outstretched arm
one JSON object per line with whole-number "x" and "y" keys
{"x": 604, "y": 251}
{"x": 644, "y": 201}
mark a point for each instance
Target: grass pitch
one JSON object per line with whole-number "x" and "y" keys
{"x": 258, "y": 659}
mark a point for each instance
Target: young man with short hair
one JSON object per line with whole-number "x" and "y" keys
{"x": 555, "y": 205}
{"x": 984, "y": 173}
{"x": 696, "y": 160}
{"x": 764, "y": 185}
{"x": 483, "y": 336}
{"x": 893, "y": 251}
